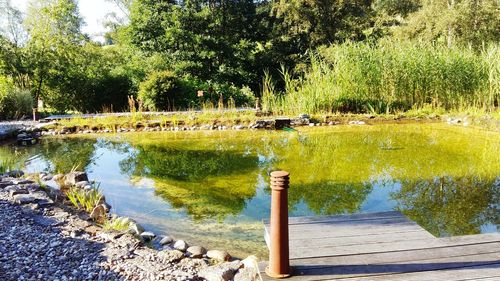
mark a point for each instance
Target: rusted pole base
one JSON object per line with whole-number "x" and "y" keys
{"x": 279, "y": 261}
{"x": 275, "y": 275}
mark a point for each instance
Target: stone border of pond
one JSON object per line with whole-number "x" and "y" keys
{"x": 277, "y": 123}
{"x": 130, "y": 254}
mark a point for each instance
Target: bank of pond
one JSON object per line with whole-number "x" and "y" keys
{"x": 211, "y": 187}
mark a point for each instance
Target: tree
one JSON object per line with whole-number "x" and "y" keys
{"x": 452, "y": 22}
{"x": 54, "y": 38}
{"x": 11, "y": 23}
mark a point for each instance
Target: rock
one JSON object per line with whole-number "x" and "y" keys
{"x": 82, "y": 184}
{"x": 218, "y": 255}
{"x": 135, "y": 228}
{"x": 58, "y": 177}
{"x": 246, "y": 274}
{"x": 74, "y": 177}
{"x": 11, "y": 188}
{"x": 240, "y": 127}
{"x": 5, "y": 184}
{"x": 180, "y": 245}
{"x": 98, "y": 212}
{"x": 22, "y": 181}
{"x": 196, "y": 251}
{"x": 166, "y": 240}
{"x": 148, "y": 236}
{"x": 304, "y": 116}
{"x": 251, "y": 261}
{"x": 220, "y": 272}
{"x": 24, "y": 199}
{"x": 15, "y": 173}
{"x": 171, "y": 256}
{"x": 46, "y": 178}
{"x": 18, "y": 191}
{"x": 356, "y": 122}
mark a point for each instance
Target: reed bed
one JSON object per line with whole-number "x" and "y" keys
{"x": 390, "y": 77}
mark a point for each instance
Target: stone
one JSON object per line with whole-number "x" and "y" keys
{"x": 166, "y": 240}
{"x": 58, "y": 177}
{"x": 221, "y": 272}
{"x": 74, "y": 177}
{"x": 148, "y": 236}
{"x": 46, "y": 178}
{"x": 15, "y": 173}
{"x": 196, "y": 251}
{"x": 135, "y": 228}
{"x": 82, "y": 184}
{"x": 304, "y": 116}
{"x": 22, "y": 181}
{"x": 98, "y": 212}
{"x": 251, "y": 261}
{"x": 171, "y": 256}
{"x": 180, "y": 245}
{"x": 11, "y": 188}
{"x": 246, "y": 274}
{"x": 5, "y": 184}
{"x": 18, "y": 191}
{"x": 218, "y": 255}
{"x": 24, "y": 199}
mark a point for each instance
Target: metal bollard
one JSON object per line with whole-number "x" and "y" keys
{"x": 279, "y": 262}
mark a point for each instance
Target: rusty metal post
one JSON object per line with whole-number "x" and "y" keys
{"x": 279, "y": 263}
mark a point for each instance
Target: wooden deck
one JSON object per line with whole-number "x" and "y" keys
{"x": 385, "y": 246}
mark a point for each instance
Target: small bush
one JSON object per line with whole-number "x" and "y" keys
{"x": 118, "y": 224}
{"x": 84, "y": 199}
{"x": 161, "y": 91}
{"x": 16, "y": 104}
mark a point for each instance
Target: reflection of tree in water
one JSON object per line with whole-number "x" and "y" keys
{"x": 209, "y": 184}
{"x": 330, "y": 198}
{"x": 451, "y": 206}
{"x": 65, "y": 155}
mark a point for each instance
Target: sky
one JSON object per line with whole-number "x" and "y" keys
{"x": 93, "y": 13}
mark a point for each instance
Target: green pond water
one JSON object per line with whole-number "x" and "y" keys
{"x": 211, "y": 188}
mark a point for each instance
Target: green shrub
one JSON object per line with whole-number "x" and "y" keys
{"x": 162, "y": 91}
{"x": 118, "y": 224}
{"x": 84, "y": 199}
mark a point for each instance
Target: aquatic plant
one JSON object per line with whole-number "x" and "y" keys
{"x": 84, "y": 199}
{"x": 117, "y": 223}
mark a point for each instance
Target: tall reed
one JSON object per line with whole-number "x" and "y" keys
{"x": 389, "y": 77}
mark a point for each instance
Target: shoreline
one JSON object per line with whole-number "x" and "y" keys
{"x": 41, "y": 229}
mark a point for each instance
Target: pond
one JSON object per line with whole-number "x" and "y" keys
{"x": 211, "y": 187}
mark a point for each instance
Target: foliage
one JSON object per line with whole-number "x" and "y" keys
{"x": 162, "y": 91}
{"x": 390, "y": 77}
{"x": 118, "y": 224}
{"x": 15, "y": 104}
{"x": 462, "y": 22}
{"x": 84, "y": 199}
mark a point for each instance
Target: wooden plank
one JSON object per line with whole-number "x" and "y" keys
{"x": 339, "y": 218}
{"x": 481, "y": 272}
{"x": 360, "y": 271}
{"x": 390, "y": 246}
{"x": 354, "y": 270}
{"x": 299, "y": 244}
{"x": 383, "y": 222}
{"x": 401, "y": 256}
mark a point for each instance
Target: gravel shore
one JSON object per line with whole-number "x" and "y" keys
{"x": 45, "y": 240}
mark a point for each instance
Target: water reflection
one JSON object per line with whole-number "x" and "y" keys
{"x": 446, "y": 179}
{"x": 447, "y": 206}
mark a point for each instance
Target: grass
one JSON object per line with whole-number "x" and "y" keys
{"x": 84, "y": 199}
{"x": 390, "y": 77}
{"x": 118, "y": 224}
